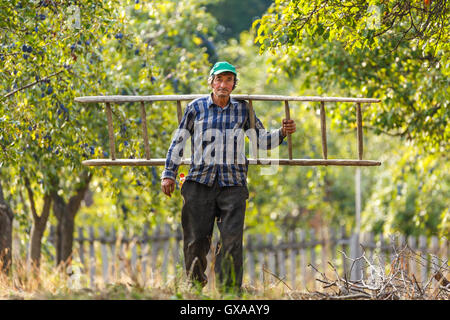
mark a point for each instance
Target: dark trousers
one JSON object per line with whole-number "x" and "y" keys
{"x": 202, "y": 205}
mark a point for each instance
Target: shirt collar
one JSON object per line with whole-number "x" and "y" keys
{"x": 233, "y": 101}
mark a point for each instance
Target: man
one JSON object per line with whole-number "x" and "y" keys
{"x": 216, "y": 185}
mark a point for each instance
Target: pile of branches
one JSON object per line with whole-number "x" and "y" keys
{"x": 395, "y": 283}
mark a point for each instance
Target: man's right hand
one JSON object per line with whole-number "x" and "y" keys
{"x": 168, "y": 186}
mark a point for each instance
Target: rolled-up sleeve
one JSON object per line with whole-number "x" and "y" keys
{"x": 266, "y": 140}
{"x": 176, "y": 149}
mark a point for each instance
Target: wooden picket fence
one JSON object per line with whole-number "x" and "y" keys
{"x": 105, "y": 256}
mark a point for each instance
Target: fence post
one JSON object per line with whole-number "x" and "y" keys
{"x": 281, "y": 258}
{"x": 435, "y": 263}
{"x": 176, "y": 250}
{"x": 370, "y": 244}
{"x": 133, "y": 241}
{"x": 155, "y": 249}
{"x": 293, "y": 256}
{"x": 80, "y": 241}
{"x": 112, "y": 249}
{"x": 261, "y": 256}
{"x": 91, "y": 257}
{"x": 424, "y": 255}
{"x": 411, "y": 258}
{"x": 144, "y": 252}
{"x": 165, "y": 262}
{"x": 104, "y": 255}
{"x": 122, "y": 257}
{"x": 332, "y": 244}
{"x": 303, "y": 261}
{"x": 250, "y": 260}
{"x": 324, "y": 249}
{"x": 271, "y": 255}
{"x": 312, "y": 249}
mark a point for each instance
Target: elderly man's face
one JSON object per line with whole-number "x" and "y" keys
{"x": 222, "y": 84}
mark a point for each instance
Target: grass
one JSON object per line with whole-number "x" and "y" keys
{"x": 50, "y": 282}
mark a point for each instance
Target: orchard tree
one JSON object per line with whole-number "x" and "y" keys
{"x": 410, "y": 195}
{"x": 107, "y": 48}
{"x": 359, "y": 24}
{"x": 44, "y": 60}
{"x": 394, "y": 50}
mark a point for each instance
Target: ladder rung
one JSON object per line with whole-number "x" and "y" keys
{"x": 285, "y": 162}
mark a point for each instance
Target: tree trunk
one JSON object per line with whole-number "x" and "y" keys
{"x": 38, "y": 228}
{"x": 37, "y": 231}
{"x": 6, "y": 222}
{"x": 64, "y": 230}
{"x": 5, "y": 239}
{"x": 67, "y": 237}
{"x": 65, "y": 214}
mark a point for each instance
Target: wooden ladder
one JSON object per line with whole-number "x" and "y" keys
{"x": 148, "y": 161}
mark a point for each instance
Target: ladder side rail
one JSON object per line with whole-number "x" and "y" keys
{"x": 323, "y": 130}
{"x": 289, "y": 137}
{"x": 145, "y": 131}
{"x": 112, "y": 144}
{"x": 359, "y": 130}
{"x": 253, "y": 136}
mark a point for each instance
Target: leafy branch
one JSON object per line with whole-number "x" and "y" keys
{"x": 32, "y": 84}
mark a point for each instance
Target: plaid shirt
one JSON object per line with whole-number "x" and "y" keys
{"x": 217, "y": 142}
